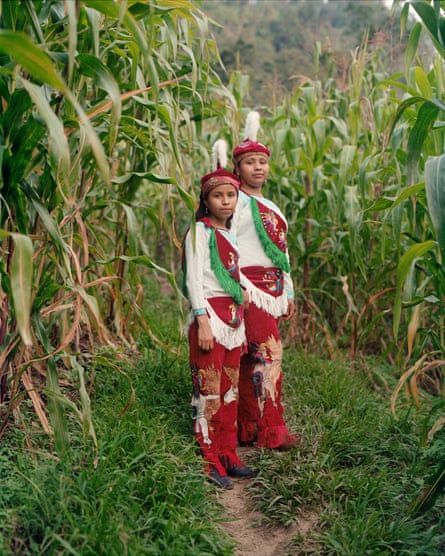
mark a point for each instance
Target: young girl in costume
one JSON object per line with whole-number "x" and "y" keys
{"x": 216, "y": 325}
{"x": 261, "y": 230}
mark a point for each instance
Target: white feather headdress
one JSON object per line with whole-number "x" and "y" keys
{"x": 219, "y": 154}
{"x": 252, "y": 125}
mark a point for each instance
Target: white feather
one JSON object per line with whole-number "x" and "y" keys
{"x": 219, "y": 154}
{"x": 252, "y": 125}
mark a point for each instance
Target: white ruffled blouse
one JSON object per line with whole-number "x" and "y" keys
{"x": 252, "y": 254}
{"x": 202, "y": 284}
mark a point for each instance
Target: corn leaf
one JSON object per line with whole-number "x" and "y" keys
{"x": 435, "y": 194}
{"x": 404, "y": 269}
{"x": 56, "y": 411}
{"x": 93, "y": 67}
{"x": 431, "y": 20}
{"x": 58, "y": 144}
{"x": 424, "y": 122}
{"x": 21, "y": 283}
{"x": 19, "y": 46}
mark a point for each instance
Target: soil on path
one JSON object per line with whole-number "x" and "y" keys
{"x": 244, "y": 525}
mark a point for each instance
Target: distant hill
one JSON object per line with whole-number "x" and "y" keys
{"x": 274, "y": 41}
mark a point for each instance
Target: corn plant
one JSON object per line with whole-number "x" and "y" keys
{"x": 329, "y": 166}
{"x": 100, "y": 102}
{"x": 420, "y": 275}
{"x": 347, "y": 168}
{"x": 420, "y": 285}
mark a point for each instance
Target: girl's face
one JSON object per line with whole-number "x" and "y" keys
{"x": 221, "y": 202}
{"x": 253, "y": 172}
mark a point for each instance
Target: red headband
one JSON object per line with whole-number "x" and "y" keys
{"x": 218, "y": 177}
{"x": 248, "y": 147}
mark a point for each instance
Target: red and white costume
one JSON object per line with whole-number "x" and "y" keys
{"x": 261, "y": 229}
{"x": 215, "y": 374}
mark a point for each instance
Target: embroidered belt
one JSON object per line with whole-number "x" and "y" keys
{"x": 267, "y": 279}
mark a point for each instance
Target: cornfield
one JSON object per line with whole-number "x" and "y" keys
{"x": 108, "y": 114}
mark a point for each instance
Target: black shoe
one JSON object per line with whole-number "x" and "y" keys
{"x": 221, "y": 481}
{"x": 241, "y": 471}
{"x": 244, "y": 443}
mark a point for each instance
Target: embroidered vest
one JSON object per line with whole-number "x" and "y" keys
{"x": 224, "y": 262}
{"x": 271, "y": 230}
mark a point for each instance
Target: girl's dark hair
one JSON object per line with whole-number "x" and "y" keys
{"x": 202, "y": 209}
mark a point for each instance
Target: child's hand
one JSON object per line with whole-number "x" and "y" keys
{"x": 290, "y": 309}
{"x": 246, "y": 300}
{"x": 205, "y": 336}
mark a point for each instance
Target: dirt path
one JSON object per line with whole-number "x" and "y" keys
{"x": 243, "y": 525}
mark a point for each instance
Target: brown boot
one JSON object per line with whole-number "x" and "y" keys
{"x": 290, "y": 442}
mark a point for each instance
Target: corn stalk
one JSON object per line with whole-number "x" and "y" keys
{"x": 98, "y": 100}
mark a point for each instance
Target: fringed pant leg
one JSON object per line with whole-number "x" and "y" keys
{"x": 260, "y": 412}
{"x": 215, "y": 400}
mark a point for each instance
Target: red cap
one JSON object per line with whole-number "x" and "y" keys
{"x": 248, "y": 147}
{"x": 218, "y": 177}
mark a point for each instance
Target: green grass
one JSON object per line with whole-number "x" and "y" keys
{"x": 144, "y": 492}
{"x": 358, "y": 468}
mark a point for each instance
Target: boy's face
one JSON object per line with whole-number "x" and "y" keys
{"x": 253, "y": 171}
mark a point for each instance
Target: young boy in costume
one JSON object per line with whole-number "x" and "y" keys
{"x": 261, "y": 231}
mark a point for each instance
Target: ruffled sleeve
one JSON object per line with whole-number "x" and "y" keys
{"x": 196, "y": 254}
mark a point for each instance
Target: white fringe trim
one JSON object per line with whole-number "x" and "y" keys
{"x": 274, "y": 306}
{"x": 230, "y": 338}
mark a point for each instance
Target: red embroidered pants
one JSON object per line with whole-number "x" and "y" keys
{"x": 215, "y": 400}
{"x": 260, "y": 413}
